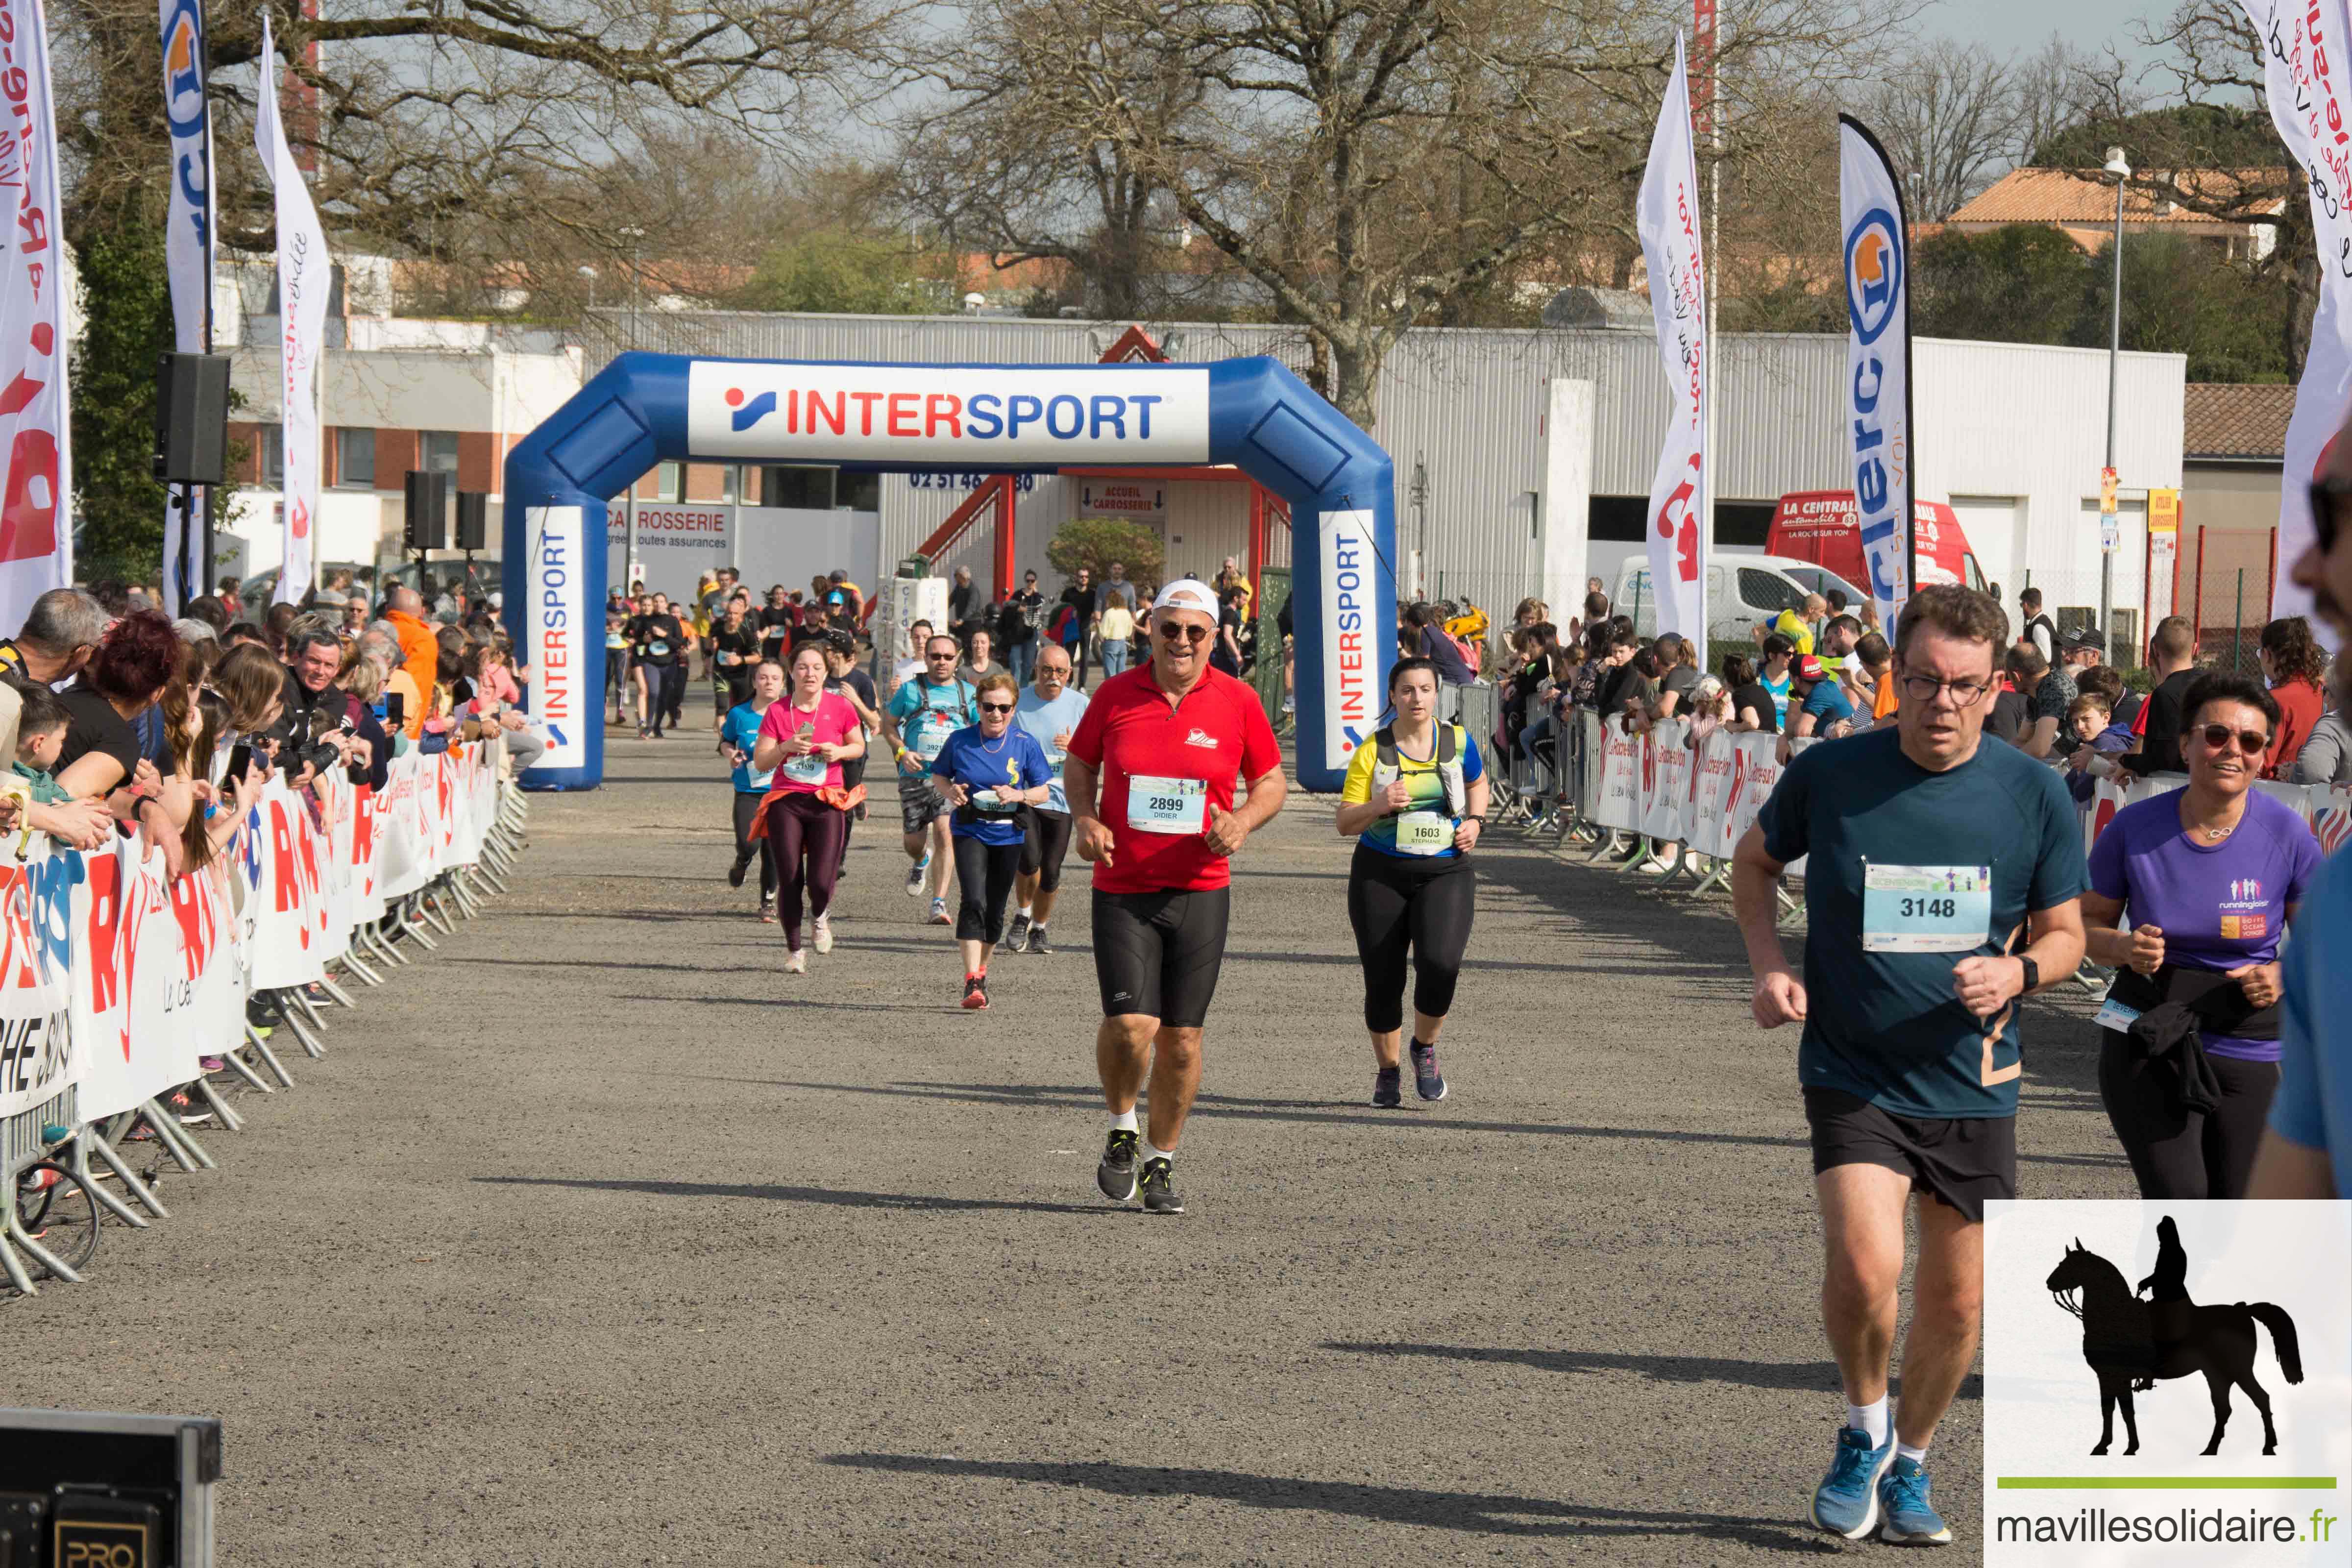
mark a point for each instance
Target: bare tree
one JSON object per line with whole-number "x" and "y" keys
{"x": 1948, "y": 118}
{"x": 1369, "y": 165}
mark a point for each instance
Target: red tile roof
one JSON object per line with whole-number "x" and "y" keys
{"x": 2084, "y": 196}
{"x": 2221, "y": 419}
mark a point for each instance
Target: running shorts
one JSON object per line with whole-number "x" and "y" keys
{"x": 919, "y": 802}
{"x": 1962, "y": 1160}
{"x": 1157, "y": 954}
{"x": 1044, "y": 844}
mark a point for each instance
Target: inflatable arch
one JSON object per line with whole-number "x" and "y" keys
{"x": 1251, "y": 413}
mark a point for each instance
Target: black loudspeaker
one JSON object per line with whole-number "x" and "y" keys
{"x": 191, "y": 418}
{"x": 473, "y": 520}
{"x": 428, "y": 511}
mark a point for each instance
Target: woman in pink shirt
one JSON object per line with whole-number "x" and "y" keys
{"x": 806, "y": 738}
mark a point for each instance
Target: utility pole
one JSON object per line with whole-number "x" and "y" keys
{"x": 2121, "y": 169}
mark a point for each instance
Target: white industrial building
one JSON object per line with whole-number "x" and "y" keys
{"x": 1492, "y": 502}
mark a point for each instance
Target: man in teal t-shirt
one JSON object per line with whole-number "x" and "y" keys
{"x": 1942, "y": 874}
{"x": 922, "y": 714}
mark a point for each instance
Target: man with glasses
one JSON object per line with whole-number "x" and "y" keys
{"x": 2308, "y": 1150}
{"x": 1942, "y": 885}
{"x": 1050, "y": 711}
{"x": 1018, "y": 627}
{"x": 920, "y": 716}
{"x": 1173, "y": 745}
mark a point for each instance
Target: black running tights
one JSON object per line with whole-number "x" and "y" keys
{"x": 985, "y": 872}
{"x": 1423, "y": 905}
{"x": 2181, "y": 1154}
{"x": 747, "y": 811}
{"x": 807, "y": 834}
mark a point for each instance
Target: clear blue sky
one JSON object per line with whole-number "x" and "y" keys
{"x": 2006, "y": 25}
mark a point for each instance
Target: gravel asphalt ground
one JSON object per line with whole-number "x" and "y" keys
{"x": 598, "y": 1239}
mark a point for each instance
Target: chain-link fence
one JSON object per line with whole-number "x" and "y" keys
{"x": 2227, "y": 590}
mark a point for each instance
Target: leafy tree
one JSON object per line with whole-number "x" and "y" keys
{"x": 2022, "y": 284}
{"x": 1094, "y": 543}
{"x": 118, "y": 505}
{"x": 2184, "y": 295}
{"x": 2185, "y": 135}
{"x": 841, "y": 273}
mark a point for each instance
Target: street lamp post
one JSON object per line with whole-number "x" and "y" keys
{"x": 2120, "y": 169}
{"x": 635, "y": 236}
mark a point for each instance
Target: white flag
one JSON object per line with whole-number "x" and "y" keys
{"x": 1667, "y": 214}
{"x": 2304, "y": 67}
{"x": 1875, "y": 411}
{"x": 188, "y": 255}
{"x": 303, "y": 276}
{"x": 36, "y": 526}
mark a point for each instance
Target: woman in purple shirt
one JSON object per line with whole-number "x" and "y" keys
{"x": 2210, "y": 876}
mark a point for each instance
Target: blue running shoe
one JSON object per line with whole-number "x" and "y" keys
{"x": 1911, "y": 1519}
{"x": 1846, "y": 1502}
{"x": 1427, "y": 1081}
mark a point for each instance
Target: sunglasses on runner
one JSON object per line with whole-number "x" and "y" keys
{"x": 935, "y": 658}
{"x": 2250, "y": 742}
{"x": 1177, "y": 631}
{"x": 996, "y": 707}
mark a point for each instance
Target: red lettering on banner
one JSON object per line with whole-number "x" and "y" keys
{"x": 105, "y": 934}
{"x": 866, "y": 401}
{"x": 951, "y": 414}
{"x": 191, "y": 906}
{"x": 20, "y": 969}
{"x": 837, "y": 416}
{"x": 281, "y": 854}
{"x": 906, "y": 414}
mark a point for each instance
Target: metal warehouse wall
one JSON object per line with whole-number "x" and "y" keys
{"x": 2013, "y": 423}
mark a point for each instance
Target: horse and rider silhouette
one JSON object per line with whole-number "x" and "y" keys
{"x": 2131, "y": 1344}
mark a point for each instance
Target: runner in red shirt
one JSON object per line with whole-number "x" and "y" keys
{"x": 1174, "y": 745}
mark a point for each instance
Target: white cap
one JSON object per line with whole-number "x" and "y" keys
{"x": 1187, "y": 594}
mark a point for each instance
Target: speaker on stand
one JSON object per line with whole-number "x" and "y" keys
{"x": 192, "y": 446}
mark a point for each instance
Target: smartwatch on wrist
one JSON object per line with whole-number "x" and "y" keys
{"x": 2032, "y": 974}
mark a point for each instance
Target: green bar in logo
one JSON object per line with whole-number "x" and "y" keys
{"x": 2167, "y": 1483}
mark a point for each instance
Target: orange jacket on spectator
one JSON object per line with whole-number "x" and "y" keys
{"x": 420, "y": 651}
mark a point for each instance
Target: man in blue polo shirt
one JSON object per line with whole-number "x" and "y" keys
{"x": 1942, "y": 881}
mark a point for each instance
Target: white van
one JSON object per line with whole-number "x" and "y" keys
{"x": 1741, "y": 590}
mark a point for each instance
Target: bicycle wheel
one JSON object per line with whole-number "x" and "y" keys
{"x": 57, "y": 1209}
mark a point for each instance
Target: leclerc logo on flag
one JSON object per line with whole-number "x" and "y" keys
{"x": 1873, "y": 273}
{"x": 949, "y": 416}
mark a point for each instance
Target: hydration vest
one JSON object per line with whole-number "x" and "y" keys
{"x": 1390, "y": 766}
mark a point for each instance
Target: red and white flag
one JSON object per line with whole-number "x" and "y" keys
{"x": 2307, "y": 78}
{"x": 1667, "y": 215}
{"x": 303, "y": 278}
{"x": 36, "y": 525}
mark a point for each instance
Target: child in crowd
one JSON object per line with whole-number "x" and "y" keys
{"x": 40, "y": 740}
{"x": 2097, "y": 743}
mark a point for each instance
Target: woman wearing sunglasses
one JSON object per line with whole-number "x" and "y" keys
{"x": 988, "y": 773}
{"x": 2208, "y": 877}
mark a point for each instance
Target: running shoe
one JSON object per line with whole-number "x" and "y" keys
{"x": 768, "y": 912}
{"x": 735, "y": 872}
{"x": 1116, "y": 1174}
{"x": 1911, "y": 1519}
{"x": 975, "y": 992}
{"x": 1159, "y": 1186}
{"x": 1846, "y": 1502}
{"x": 824, "y": 933}
{"x": 939, "y": 913}
{"x": 1037, "y": 941}
{"x": 1386, "y": 1094}
{"x": 796, "y": 962}
{"x": 1427, "y": 1081}
{"x": 914, "y": 874}
{"x": 1017, "y": 939}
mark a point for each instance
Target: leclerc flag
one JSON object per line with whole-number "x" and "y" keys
{"x": 36, "y": 531}
{"x": 302, "y": 280}
{"x": 1667, "y": 213}
{"x": 1874, "y": 426}
{"x": 188, "y": 256}
{"x": 2307, "y": 82}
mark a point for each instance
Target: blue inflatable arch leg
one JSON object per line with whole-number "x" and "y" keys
{"x": 1253, "y": 413}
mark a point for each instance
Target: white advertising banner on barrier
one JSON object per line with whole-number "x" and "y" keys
{"x": 949, "y": 416}
{"x": 557, "y": 633}
{"x": 35, "y": 1048}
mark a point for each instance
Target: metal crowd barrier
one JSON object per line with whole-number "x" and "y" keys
{"x": 54, "y": 1132}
